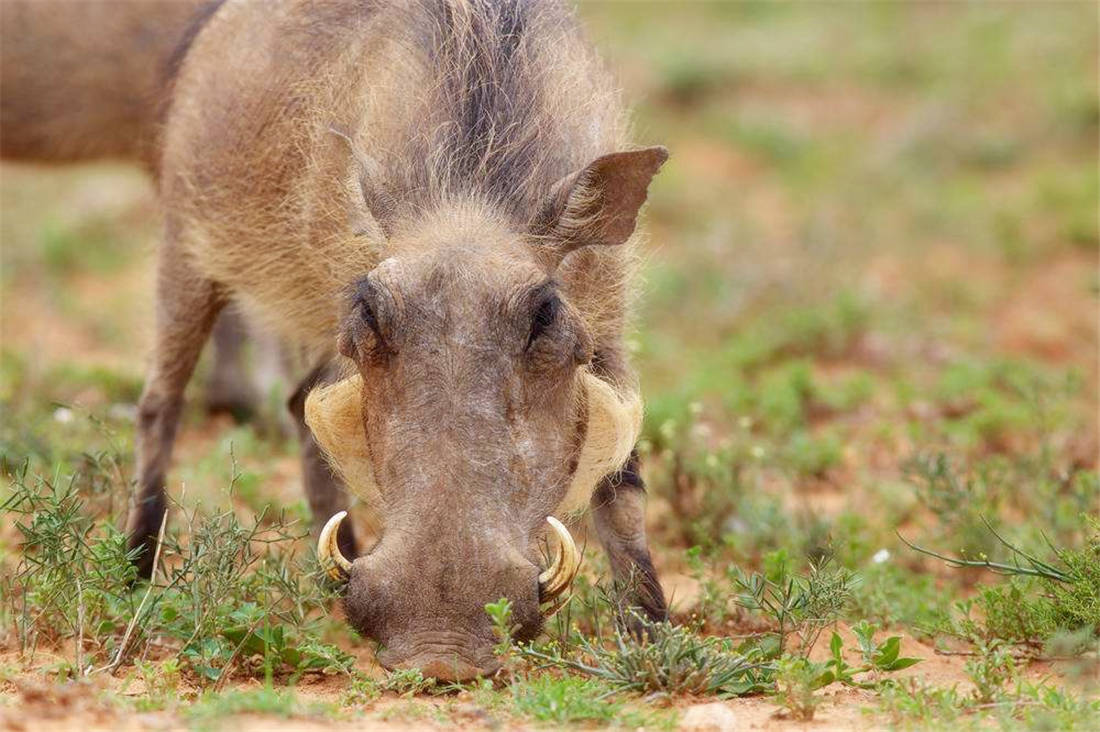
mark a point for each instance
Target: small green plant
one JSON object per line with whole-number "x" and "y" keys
{"x": 73, "y": 580}
{"x": 1013, "y": 703}
{"x": 641, "y": 656}
{"x": 408, "y": 682}
{"x": 239, "y": 593}
{"x": 796, "y": 680}
{"x": 813, "y": 455}
{"x": 1041, "y": 598}
{"x": 916, "y": 702}
{"x": 656, "y": 657}
{"x": 161, "y": 681}
{"x": 878, "y": 658}
{"x": 227, "y": 596}
{"x": 361, "y": 691}
{"x": 712, "y": 606}
{"x": 500, "y": 613}
{"x": 796, "y": 605}
{"x": 569, "y": 699}
{"x": 990, "y": 670}
{"x": 955, "y": 498}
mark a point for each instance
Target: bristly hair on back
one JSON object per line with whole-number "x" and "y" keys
{"x": 507, "y": 109}
{"x": 359, "y": 120}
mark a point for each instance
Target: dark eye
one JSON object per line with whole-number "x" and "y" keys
{"x": 368, "y": 316}
{"x": 545, "y": 315}
{"x": 361, "y": 337}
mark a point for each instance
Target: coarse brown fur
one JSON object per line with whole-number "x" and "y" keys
{"x": 397, "y": 76}
{"x": 444, "y": 189}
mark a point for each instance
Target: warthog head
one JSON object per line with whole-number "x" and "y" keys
{"x": 473, "y": 414}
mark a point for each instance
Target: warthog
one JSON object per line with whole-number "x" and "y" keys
{"x": 435, "y": 200}
{"x": 90, "y": 79}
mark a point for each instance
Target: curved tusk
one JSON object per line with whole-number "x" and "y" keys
{"x": 332, "y": 561}
{"x": 556, "y": 578}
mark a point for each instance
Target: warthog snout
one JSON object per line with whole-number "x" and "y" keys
{"x": 431, "y": 615}
{"x": 442, "y": 655}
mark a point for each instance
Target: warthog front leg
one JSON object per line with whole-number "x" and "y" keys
{"x": 324, "y": 490}
{"x": 618, "y": 508}
{"x": 186, "y": 307}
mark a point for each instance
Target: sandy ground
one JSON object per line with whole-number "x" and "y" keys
{"x": 32, "y": 702}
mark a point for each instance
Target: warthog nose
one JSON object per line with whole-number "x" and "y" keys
{"x": 441, "y": 666}
{"x": 455, "y": 670}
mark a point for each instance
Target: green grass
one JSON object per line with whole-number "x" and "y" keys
{"x": 209, "y": 711}
{"x": 231, "y": 597}
{"x": 551, "y": 700}
{"x": 998, "y": 697}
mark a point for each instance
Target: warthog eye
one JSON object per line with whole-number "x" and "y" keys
{"x": 545, "y": 315}
{"x": 366, "y": 312}
{"x": 361, "y": 336}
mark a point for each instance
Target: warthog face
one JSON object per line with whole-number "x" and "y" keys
{"x": 474, "y": 411}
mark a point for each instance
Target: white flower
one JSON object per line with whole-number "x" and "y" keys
{"x": 881, "y": 556}
{"x": 64, "y": 415}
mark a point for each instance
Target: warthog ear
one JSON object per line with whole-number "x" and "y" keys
{"x": 371, "y": 206}
{"x": 599, "y": 203}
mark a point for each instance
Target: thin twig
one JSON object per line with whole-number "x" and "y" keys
{"x": 1039, "y": 564}
{"x": 1022, "y": 655}
{"x": 111, "y": 667}
{"x": 1006, "y": 703}
{"x": 80, "y": 628}
{"x": 1043, "y": 571}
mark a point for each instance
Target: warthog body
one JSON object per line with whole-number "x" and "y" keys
{"x": 435, "y": 198}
